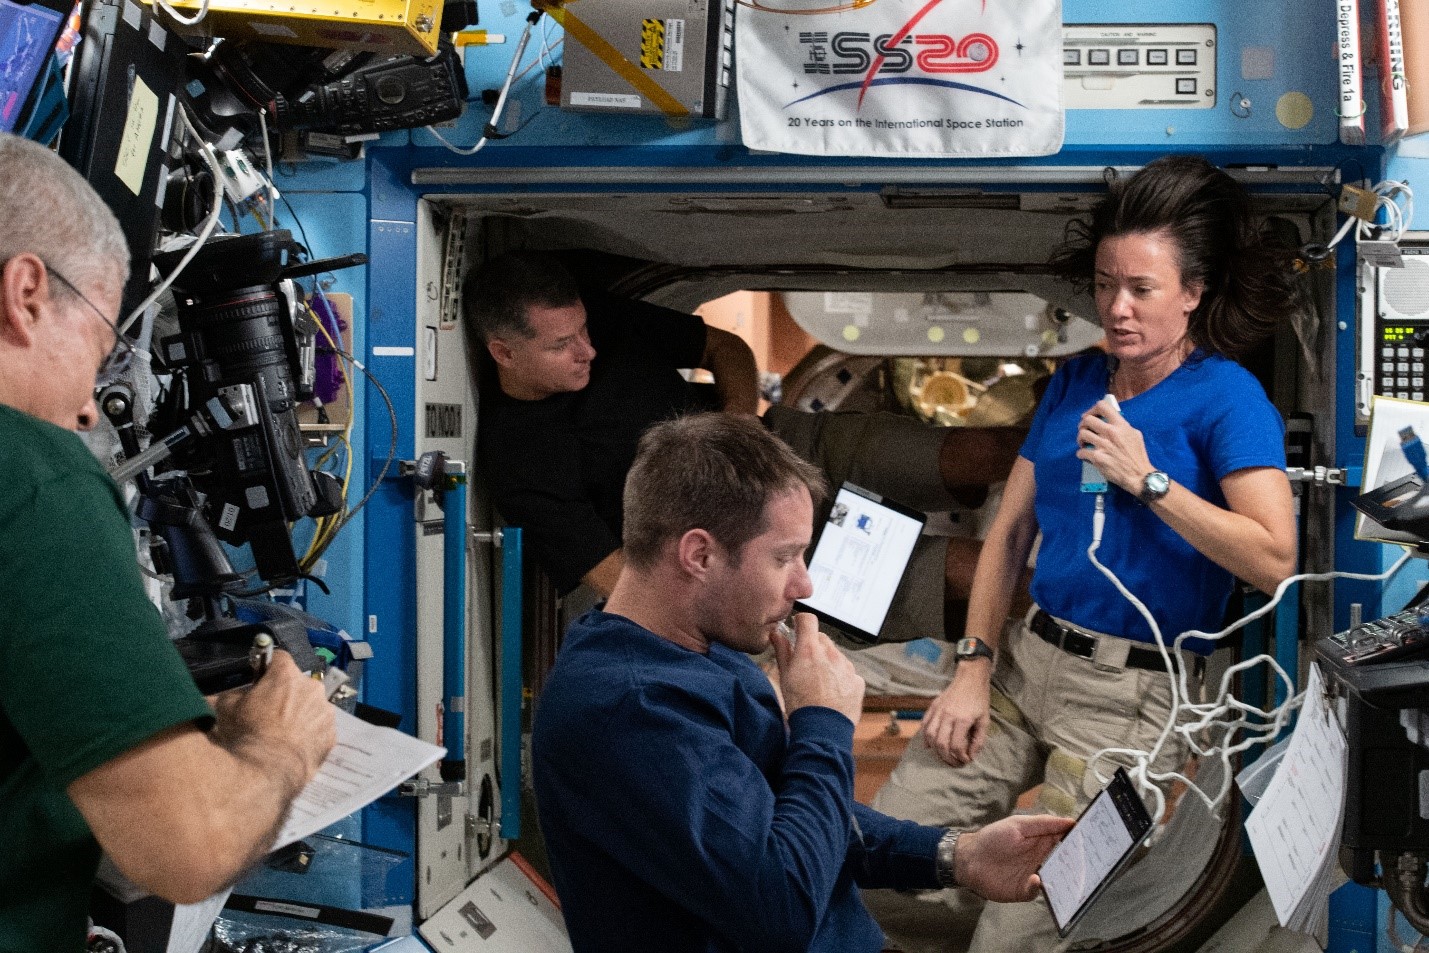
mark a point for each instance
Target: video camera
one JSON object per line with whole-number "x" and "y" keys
{"x": 342, "y": 92}
{"x": 241, "y": 364}
{"x": 228, "y": 452}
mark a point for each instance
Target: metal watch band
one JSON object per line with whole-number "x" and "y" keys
{"x": 946, "y": 860}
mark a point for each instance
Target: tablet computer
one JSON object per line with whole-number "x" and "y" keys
{"x": 1386, "y": 503}
{"x": 1094, "y": 851}
{"x": 860, "y": 559}
{"x": 28, "y": 33}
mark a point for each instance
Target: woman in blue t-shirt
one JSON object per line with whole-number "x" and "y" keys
{"x": 1191, "y": 455}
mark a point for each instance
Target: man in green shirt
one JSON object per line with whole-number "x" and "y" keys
{"x": 105, "y": 743}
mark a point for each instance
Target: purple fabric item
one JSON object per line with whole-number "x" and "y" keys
{"x": 327, "y": 365}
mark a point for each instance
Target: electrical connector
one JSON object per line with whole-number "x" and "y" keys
{"x": 240, "y": 178}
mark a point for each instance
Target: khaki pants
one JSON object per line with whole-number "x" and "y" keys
{"x": 1050, "y": 712}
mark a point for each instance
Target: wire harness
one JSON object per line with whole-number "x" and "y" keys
{"x": 1224, "y": 726}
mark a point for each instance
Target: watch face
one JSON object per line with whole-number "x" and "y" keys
{"x": 970, "y": 647}
{"x": 1158, "y": 482}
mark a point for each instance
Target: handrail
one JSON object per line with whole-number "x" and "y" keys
{"x": 454, "y": 627}
{"x": 511, "y": 684}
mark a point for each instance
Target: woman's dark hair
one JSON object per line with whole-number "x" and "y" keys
{"x": 1248, "y": 285}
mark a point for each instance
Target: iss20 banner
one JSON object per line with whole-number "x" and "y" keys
{"x": 953, "y": 78}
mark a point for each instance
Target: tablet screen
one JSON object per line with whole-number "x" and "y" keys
{"x": 860, "y": 559}
{"x": 1092, "y": 853}
{"x": 27, "y": 38}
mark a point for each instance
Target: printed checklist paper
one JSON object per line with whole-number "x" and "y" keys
{"x": 365, "y": 764}
{"x": 1295, "y": 829}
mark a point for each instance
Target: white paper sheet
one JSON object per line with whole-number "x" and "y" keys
{"x": 192, "y": 921}
{"x": 504, "y": 910}
{"x": 365, "y": 764}
{"x": 1295, "y": 829}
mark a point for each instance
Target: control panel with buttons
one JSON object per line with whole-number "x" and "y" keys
{"x": 1401, "y": 367}
{"x": 1394, "y": 328}
{"x": 1139, "y": 66}
{"x": 1382, "y": 640}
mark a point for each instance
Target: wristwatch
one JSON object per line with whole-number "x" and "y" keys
{"x": 946, "y": 861}
{"x": 970, "y": 648}
{"x": 1155, "y": 485}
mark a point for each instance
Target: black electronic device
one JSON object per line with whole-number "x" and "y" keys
{"x": 125, "y": 76}
{"x": 1383, "y": 640}
{"x": 216, "y": 653}
{"x": 338, "y": 92}
{"x": 243, "y": 360}
{"x": 1386, "y": 805}
{"x": 28, "y": 33}
{"x": 1401, "y": 505}
{"x": 1098, "y": 848}
{"x": 1393, "y": 348}
{"x": 459, "y": 15}
{"x": 1400, "y": 345}
{"x": 394, "y": 92}
{"x": 184, "y": 546}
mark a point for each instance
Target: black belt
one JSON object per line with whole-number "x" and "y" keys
{"x": 1084, "y": 646}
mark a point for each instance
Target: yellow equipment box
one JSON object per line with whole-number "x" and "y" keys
{"x": 384, "y": 26}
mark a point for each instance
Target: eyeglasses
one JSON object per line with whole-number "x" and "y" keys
{"x": 117, "y": 361}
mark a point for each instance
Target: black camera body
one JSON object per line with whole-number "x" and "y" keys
{"x": 243, "y": 361}
{"x": 341, "y": 92}
{"x": 395, "y": 92}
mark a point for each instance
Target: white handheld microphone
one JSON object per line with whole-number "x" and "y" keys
{"x": 1092, "y": 479}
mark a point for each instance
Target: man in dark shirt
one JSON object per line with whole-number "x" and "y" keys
{"x": 681, "y": 810}
{"x": 577, "y": 380}
{"x": 577, "y": 383}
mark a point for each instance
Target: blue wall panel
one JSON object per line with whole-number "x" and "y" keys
{"x": 390, "y": 582}
{"x": 1295, "y": 37}
{"x": 319, "y": 176}
{"x": 336, "y": 224}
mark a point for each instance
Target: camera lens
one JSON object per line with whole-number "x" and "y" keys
{"x": 242, "y": 332}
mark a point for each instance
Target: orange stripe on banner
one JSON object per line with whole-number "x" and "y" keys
{"x": 898, "y": 38}
{"x": 673, "y": 109}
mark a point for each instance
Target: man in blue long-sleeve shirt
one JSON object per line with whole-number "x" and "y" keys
{"x": 682, "y": 811}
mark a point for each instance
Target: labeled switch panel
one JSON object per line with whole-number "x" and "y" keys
{"x": 1394, "y": 327}
{"x": 1139, "y": 66}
